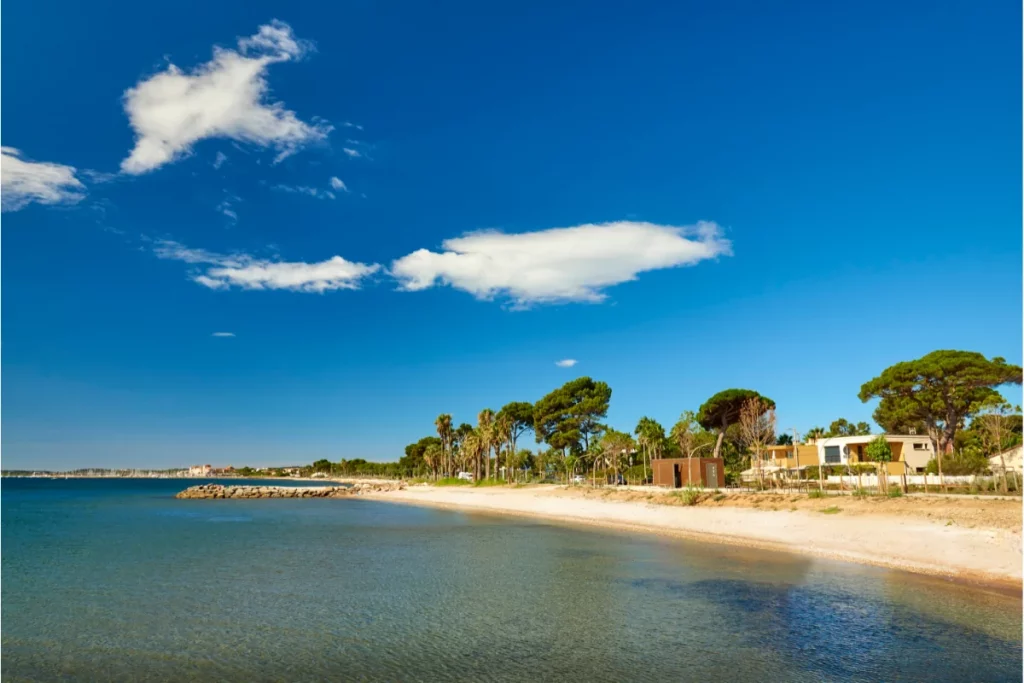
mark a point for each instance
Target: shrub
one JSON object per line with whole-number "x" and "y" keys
{"x": 452, "y": 481}
{"x": 815, "y": 493}
{"x": 862, "y": 493}
{"x": 895, "y": 493}
{"x": 965, "y": 462}
{"x": 690, "y": 495}
{"x": 831, "y": 510}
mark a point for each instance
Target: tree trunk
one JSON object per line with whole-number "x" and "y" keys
{"x": 718, "y": 442}
{"x": 1002, "y": 462}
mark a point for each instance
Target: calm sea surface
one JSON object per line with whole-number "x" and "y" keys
{"x": 114, "y": 580}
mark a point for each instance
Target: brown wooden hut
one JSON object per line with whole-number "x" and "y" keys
{"x": 679, "y": 472}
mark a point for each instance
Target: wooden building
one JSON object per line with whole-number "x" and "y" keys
{"x": 679, "y": 472}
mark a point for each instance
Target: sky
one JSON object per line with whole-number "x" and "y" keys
{"x": 265, "y": 233}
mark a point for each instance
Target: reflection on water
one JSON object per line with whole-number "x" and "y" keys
{"x": 116, "y": 582}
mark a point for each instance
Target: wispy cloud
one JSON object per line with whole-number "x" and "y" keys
{"x": 23, "y": 182}
{"x": 303, "y": 189}
{"x": 560, "y": 264}
{"x": 223, "y": 334}
{"x": 338, "y": 184}
{"x": 219, "y": 161}
{"x": 248, "y": 272}
{"x": 354, "y": 153}
{"x": 223, "y": 98}
{"x": 227, "y": 207}
{"x": 349, "y": 124}
{"x": 567, "y": 363}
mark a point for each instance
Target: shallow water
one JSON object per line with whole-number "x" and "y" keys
{"x": 116, "y": 580}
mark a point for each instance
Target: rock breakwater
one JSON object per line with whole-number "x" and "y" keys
{"x": 209, "y": 491}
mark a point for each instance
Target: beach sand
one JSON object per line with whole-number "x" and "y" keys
{"x": 976, "y": 540}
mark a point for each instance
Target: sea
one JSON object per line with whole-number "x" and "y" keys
{"x": 116, "y": 580}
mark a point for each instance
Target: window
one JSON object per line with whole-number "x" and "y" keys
{"x": 920, "y": 446}
{"x": 832, "y": 455}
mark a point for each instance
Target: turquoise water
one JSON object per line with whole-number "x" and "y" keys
{"x": 108, "y": 580}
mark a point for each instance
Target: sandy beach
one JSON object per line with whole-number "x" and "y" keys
{"x": 971, "y": 539}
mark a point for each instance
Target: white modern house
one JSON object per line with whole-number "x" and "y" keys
{"x": 910, "y": 450}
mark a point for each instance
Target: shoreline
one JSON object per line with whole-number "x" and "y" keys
{"x": 986, "y": 556}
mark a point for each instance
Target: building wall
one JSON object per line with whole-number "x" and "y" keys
{"x": 691, "y": 471}
{"x": 902, "y": 449}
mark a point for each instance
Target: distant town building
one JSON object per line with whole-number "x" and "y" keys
{"x": 200, "y": 470}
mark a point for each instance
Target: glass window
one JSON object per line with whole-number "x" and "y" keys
{"x": 832, "y": 455}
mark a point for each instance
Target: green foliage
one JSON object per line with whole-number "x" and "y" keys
{"x": 941, "y": 390}
{"x": 452, "y": 481}
{"x": 413, "y": 459}
{"x": 651, "y": 436}
{"x": 895, "y": 492}
{"x": 960, "y": 464}
{"x": 518, "y": 415}
{"x": 815, "y": 493}
{"x": 878, "y": 450}
{"x": 691, "y": 495}
{"x": 842, "y": 427}
{"x": 721, "y": 412}
{"x": 723, "y": 409}
{"x": 812, "y": 472}
{"x": 569, "y": 417}
{"x": 815, "y": 433}
{"x": 690, "y": 437}
{"x": 831, "y": 510}
{"x": 784, "y": 440}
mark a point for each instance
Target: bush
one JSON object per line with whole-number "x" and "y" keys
{"x": 690, "y": 495}
{"x": 816, "y": 493}
{"x": 894, "y": 492}
{"x": 830, "y": 470}
{"x": 862, "y": 493}
{"x": 962, "y": 463}
{"x": 452, "y": 481}
{"x": 831, "y": 511}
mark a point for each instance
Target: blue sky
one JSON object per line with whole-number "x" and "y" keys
{"x": 788, "y": 198}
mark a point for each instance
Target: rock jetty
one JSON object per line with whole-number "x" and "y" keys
{"x": 220, "y": 491}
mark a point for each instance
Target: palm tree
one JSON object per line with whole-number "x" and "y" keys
{"x": 432, "y": 455}
{"x": 444, "y": 430}
{"x": 470, "y": 450}
{"x": 503, "y": 437}
{"x": 651, "y": 436}
{"x": 485, "y": 430}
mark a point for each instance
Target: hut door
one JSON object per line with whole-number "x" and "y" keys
{"x": 677, "y": 479}
{"x": 711, "y": 474}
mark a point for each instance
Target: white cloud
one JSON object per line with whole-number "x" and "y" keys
{"x": 247, "y": 272}
{"x": 303, "y": 189}
{"x": 567, "y": 363}
{"x": 225, "y": 98}
{"x": 560, "y": 264}
{"x": 338, "y": 184}
{"x": 223, "y": 334}
{"x": 219, "y": 161}
{"x": 23, "y": 182}
{"x": 351, "y": 152}
{"x": 227, "y": 208}
{"x": 349, "y": 124}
